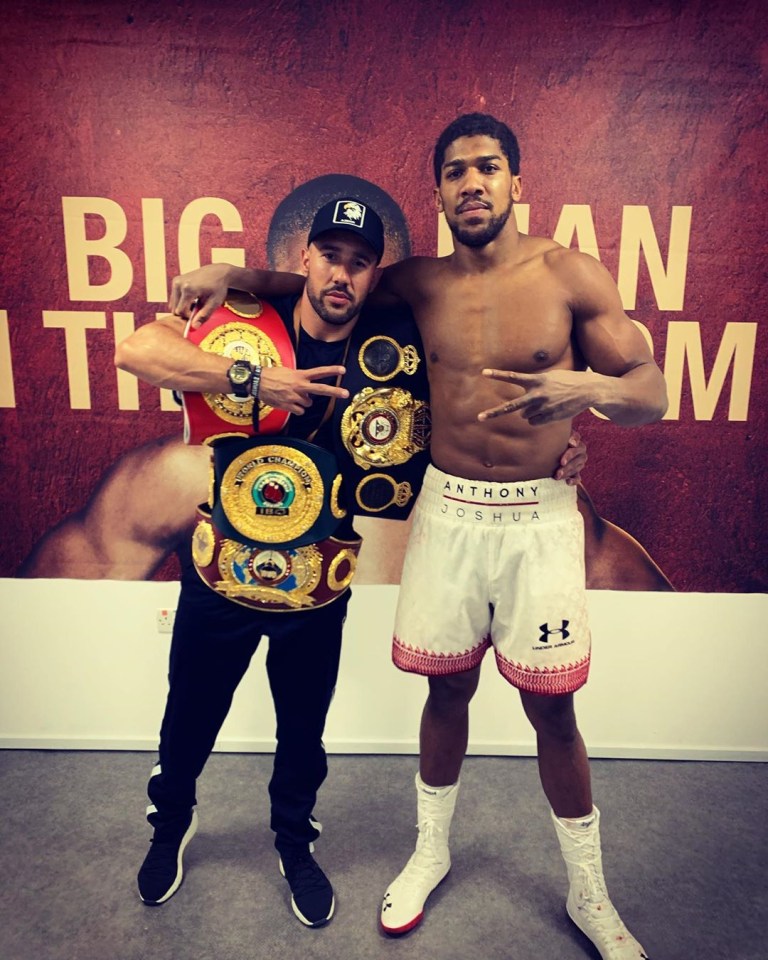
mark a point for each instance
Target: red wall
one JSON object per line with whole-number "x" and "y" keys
{"x": 659, "y": 105}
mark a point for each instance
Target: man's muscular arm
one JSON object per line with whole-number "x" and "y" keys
{"x": 141, "y": 510}
{"x": 159, "y": 353}
{"x": 624, "y": 382}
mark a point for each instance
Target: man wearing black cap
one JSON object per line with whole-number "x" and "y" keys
{"x": 296, "y": 592}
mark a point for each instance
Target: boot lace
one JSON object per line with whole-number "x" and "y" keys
{"x": 427, "y": 857}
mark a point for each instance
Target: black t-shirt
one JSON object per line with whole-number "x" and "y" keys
{"x": 310, "y": 353}
{"x": 314, "y": 353}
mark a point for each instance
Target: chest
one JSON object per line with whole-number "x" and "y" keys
{"x": 521, "y": 321}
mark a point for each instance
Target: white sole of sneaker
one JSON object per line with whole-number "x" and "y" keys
{"x": 191, "y": 831}
{"x": 308, "y": 923}
{"x": 300, "y": 915}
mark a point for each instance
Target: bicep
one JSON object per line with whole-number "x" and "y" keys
{"x": 81, "y": 549}
{"x": 608, "y": 340}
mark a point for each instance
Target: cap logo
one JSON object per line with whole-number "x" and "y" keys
{"x": 349, "y": 213}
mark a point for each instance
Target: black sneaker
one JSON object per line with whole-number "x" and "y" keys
{"x": 161, "y": 873}
{"x": 312, "y": 899}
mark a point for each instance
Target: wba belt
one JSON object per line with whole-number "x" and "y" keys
{"x": 251, "y": 331}
{"x": 385, "y": 425}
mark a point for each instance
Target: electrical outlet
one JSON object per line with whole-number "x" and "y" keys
{"x": 165, "y": 620}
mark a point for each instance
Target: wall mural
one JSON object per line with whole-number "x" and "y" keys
{"x": 149, "y": 139}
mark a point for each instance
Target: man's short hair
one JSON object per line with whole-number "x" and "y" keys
{"x": 477, "y": 125}
{"x": 294, "y": 214}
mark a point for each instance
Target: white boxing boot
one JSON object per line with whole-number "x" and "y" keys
{"x": 403, "y": 906}
{"x": 588, "y": 903}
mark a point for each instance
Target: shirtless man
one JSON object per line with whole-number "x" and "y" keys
{"x": 510, "y": 325}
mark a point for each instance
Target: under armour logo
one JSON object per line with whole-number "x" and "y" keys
{"x": 387, "y": 902}
{"x": 546, "y": 632}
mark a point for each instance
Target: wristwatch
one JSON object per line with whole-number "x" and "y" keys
{"x": 240, "y": 375}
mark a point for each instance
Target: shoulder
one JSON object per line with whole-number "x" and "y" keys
{"x": 414, "y": 267}
{"x": 567, "y": 263}
{"x": 407, "y": 280}
{"x": 587, "y": 283}
{"x": 571, "y": 264}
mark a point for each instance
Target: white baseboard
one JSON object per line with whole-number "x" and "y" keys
{"x": 399, "y": 747}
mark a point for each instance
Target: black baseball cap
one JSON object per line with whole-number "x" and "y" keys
{"x": 351, "y": 214}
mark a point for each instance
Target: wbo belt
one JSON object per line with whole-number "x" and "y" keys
{"x": 275, "y": 492}
{"x": 273, "y": 579}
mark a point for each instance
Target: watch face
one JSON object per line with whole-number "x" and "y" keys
{"x": 239, "y": 373}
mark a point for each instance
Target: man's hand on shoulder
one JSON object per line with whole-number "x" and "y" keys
{"x": 195, "y": 295}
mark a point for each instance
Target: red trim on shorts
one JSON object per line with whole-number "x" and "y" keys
{"x": 547, "y": 680}
{"x": 414, "y": 660}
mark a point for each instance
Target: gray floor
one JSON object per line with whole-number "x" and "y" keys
{"x": 684, "y": 856}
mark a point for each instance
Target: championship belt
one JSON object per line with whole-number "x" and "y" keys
{"x": 253, "y": 332}
{"x": 270, "y": 578}
{"x": 385, "y": 426}
{"x": 275, "y": 492}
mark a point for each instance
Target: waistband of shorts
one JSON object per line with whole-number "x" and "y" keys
{"x": 493, "y": 502}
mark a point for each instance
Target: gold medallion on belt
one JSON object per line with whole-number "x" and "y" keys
{"x": 261, "y": 575}
{"x": 385, "y": 426}
{"x": 382, "y": 358}
{"x": 239, "y": 341}
{"x": 272, "y": 493}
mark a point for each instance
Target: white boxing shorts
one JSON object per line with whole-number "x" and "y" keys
{"x": 495, "y": 564}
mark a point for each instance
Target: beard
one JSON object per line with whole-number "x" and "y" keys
{"x": 481, "y": 238}
{"x": 336, "y": 318}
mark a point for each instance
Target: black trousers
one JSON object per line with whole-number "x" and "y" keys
{"x": 212, "y": 645}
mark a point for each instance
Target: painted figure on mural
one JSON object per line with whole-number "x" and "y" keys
{"x": 118, "y": 535}
{"x": 520, "y": 335}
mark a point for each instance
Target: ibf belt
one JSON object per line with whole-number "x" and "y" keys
{"x": 275, "y": 492}
{"x": 253, "y": 332}
{"x": 272, "y": 579}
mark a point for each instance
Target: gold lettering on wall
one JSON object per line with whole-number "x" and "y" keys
{"x": 576, "y": 219}
{"x": 75, "y": 324}
{"x": 189, "y": 232}
{"x": 7, "y": 395}
{"x": 736, "y": 352}
{"x": 155, "y": 260}
{"x": 127, "y": 385}
{"x": 80, "y": 250}
{"x": 637, "y": 233}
